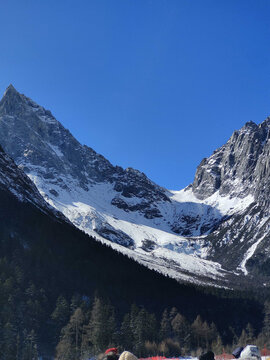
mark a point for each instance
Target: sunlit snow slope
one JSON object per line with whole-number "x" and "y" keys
{"x": 171, "y": 231}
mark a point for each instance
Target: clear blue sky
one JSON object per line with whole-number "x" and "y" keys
{"x": 156, "y": 85}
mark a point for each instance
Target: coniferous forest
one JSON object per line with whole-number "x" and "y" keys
{"x": 62, "y": 293}
{"x": 134, "y": 179}
{"x": 90, "y": 330}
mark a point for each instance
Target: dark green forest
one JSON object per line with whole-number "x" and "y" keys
{"x": 90, "y": 330}
{"x": 63, "y": 293}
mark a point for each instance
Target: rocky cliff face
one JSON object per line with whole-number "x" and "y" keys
{"x": 39, "y": 143}
{"x": 15, "y": 181}
{"x": 215, "y": 227}
{"x": 238, "y": 168}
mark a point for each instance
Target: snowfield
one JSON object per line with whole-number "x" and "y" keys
{"x": 174, "y": 255}
{"x": 164, "y": 229}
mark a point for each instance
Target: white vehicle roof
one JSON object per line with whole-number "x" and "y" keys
{"x": 250, "y": 351}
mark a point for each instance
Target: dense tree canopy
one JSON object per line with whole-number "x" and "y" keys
{"x": 61, "y": 290}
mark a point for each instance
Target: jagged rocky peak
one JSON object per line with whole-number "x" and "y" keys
{"x": 48, "y": 151}
{"x": 12, "y": 101}
{"x": 266, "y": 122}
{"x": 232, "y": 169}
{"x": 10, "y": 90}
{"x": 33, "y": 137}
{"x": 126, "y": 207}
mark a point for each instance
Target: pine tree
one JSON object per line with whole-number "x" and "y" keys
{"x": 165, "y": 326}
{"x": 250, "y": 334}
{"x": 134, "y": 311}
{"x": 9, "y": 339}
{"x": 169, "y": 348}
{"x": 35, "y": 307}
{"x": 206, "y": 334}
{"x": 197, "y": 331}
{"x": 180, "y": 328}
{"x": 101, "y": 326}
{"x": 111, "y": 327}
{"x": 18, "y": 347}
{"x": 173, "y": 314}
{"x": 2, "y": 340}
{"x": 144, "y": 329}
{"x": 139, "y": 332}
{"x": 29, "y": 351}
{"x": 75, "y": 303}
{"x": 213, "y": 334}
{"x": 126, "y": 333}
{"x": 152, "y": 328}
{"x": 60, "y": 317}
{"x": 217, "y": 345}
{"x": 235, "y": 337}
{"x": 243, "y": 338}
{"x": 151, "y": 348}
{"x": 69, "y": 346}
{"x": 266, "y": 321}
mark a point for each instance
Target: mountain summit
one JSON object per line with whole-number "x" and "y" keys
{"x": 11, "y": 101}
{"x": 240, "y": 167}
{"x": 208, "y": 232}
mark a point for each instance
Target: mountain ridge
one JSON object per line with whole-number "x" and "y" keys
{"x": 44, "y": 259}
{"x": 174, "y": 230}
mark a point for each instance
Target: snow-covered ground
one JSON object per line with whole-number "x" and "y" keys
{"x": 177, "y": 256}
{"x": 222, "y": 204}
{"x": 165, "y": 230}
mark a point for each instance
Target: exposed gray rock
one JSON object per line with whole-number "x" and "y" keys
{"x": 38, "y": 142}
{"x": 118, "y": 237}
{"x": 47, "y": 152}
{"x": 148, "y": 245}
{"x": 14, "y": 180}
{"x": 239, "y": 241}
{"x": 238, "y": 167}
{"x": 241, "y": 167}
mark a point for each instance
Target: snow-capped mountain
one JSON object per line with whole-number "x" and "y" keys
{"x": 211, "y": 230}
{"x": 240, "y": 168}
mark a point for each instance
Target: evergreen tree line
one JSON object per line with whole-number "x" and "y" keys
{"x": 90, "y": 330}
{"x": 80, "y": 327}
{"x": 42, "y": 257}
{"x": 22, "y": 312}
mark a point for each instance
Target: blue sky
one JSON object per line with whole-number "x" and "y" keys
{"x": 156, "y": 85}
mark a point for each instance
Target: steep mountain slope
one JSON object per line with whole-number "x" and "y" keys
{"x": 43, "y": 256}
{"x": 14, "y": 180}
{"x": 240, "y": 168}
{"x": 183, "y": 233}
{"x": 122, "y": 206}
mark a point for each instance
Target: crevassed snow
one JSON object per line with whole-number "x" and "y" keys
{"x": 177, "y": 256}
